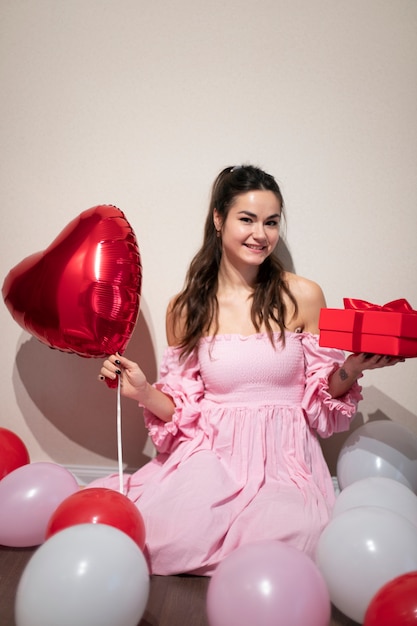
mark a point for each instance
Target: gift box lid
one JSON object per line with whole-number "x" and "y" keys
{"x": 395, "y": 318}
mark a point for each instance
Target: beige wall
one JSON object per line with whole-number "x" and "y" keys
{"x": 139, "y": 104}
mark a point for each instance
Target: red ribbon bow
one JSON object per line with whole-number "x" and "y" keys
{"x": 396, "y": 306}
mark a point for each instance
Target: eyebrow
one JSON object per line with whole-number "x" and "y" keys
{"x": 250, "y": 214}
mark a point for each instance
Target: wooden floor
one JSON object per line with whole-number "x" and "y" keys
{"x": 173, "y": 600}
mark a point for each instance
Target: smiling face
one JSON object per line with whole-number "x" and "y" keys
{"x": 250, "y": 231}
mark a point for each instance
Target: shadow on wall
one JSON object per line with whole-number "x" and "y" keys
{"x": 284, "y": 255}
{"x": 65, "y": 389}
{"x": 375, "y": 405}
{"x": 61, "y": 399}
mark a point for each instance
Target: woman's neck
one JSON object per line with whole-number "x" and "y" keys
{"x": 234, "y": 280}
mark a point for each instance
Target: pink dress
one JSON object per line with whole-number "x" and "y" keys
{"x": 240, "y": 461}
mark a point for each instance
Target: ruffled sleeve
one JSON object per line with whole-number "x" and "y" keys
{"x": 324, "y": 413}
{"x": 180, "y": 379}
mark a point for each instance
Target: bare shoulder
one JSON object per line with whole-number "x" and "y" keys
{"x": 310, "y": 299}
{"x": 173, "y": 323}
{"x": 304, "y": 289}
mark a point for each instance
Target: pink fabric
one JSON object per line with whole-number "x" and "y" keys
{"x": 240, "y": 461}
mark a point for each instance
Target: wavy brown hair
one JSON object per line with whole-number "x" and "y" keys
{"x": 195, "y": 309}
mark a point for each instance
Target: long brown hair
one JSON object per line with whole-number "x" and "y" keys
{"x": 195, "y": 309}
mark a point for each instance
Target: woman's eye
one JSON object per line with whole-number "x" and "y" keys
{"x": 247, "y": 220}
{"x": 272, "y": 223}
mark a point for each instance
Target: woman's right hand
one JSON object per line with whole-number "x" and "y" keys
{"x": 133, "y": 383}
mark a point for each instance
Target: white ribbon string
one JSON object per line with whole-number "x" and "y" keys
{"x": 119, "y": 436}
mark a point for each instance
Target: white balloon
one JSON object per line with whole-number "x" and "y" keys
{"x": 379, "y": 448}
{"x": 85, "y": 575}
{"x": 378, "y": 491}
{"x": 362, "y": 549}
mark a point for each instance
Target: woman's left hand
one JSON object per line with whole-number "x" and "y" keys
{"x": 344, "y": 376}
{"x": 364, "y": 361}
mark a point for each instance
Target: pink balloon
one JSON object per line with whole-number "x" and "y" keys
{"x": 28, "y": 497}
{"x": 268, "y": 583}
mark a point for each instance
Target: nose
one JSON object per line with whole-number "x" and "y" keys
{"x": 259, "y": 231}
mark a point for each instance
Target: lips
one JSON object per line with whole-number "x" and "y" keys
{"x": 253, "y": 247}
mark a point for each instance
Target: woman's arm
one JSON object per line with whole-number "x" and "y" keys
{"x": 135, "y": 386}
{"x": 310, "y": 299}
{"x": 355, "y": 364}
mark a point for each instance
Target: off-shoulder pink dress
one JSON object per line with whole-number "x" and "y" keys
{"x": 240, "y": 461}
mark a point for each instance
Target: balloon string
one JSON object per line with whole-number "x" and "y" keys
{"x": 119, "y": 436}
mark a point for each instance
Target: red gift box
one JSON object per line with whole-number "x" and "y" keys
{"x": 390, "y": 329}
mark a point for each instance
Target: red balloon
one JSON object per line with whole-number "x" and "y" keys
{"x": 13, "y": 452}
{"x": 82, "y": 293}
{"x": 395, "y": 604}
{"x": 98, "y": 505}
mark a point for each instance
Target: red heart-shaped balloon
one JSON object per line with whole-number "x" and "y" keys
{"x": 82, "y": 293}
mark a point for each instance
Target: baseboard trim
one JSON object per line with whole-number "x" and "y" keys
{"x": 85, "y": 474}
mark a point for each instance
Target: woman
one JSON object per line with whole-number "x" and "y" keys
{"x": 244, "y": 391}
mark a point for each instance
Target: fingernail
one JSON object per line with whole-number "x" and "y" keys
{"x": 118, "y": 372}
{"x": 100, "y": 377}
{"x": 117, "y": 362}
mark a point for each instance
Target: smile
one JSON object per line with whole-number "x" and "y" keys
{"x": 253, "y": 247}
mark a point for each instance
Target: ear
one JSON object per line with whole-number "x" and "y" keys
{"x": 217, "y": 220}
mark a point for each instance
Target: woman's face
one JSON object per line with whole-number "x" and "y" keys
{"x": 250, "y": 231}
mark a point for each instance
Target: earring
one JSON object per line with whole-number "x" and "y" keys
{"x": 218, "y": 233}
